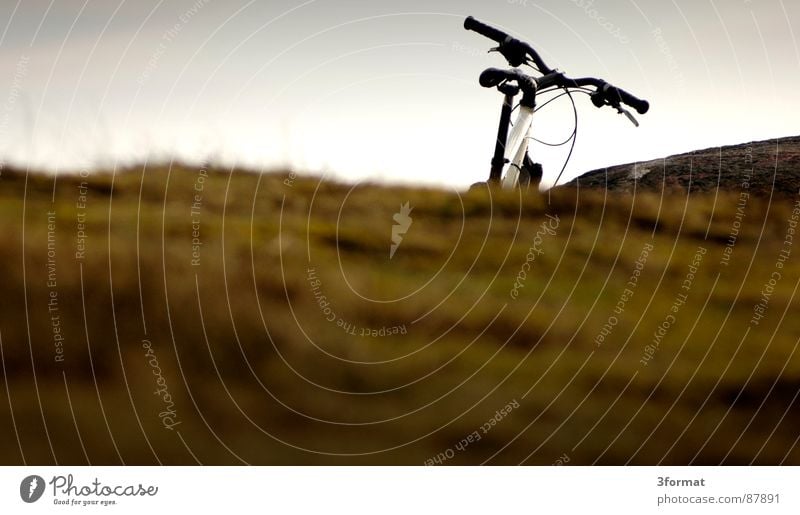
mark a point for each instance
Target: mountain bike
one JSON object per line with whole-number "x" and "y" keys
{"x": 511, "y": 164}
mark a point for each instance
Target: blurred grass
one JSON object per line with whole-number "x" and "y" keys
{"x": 258, "y": 375}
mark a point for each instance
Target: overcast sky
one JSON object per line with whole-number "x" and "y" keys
{"x": 382, "y": 89}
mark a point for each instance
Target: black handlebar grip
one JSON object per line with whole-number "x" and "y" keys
{"x": 641, "y": 106}
{"x": 493, "y": 77}
{"x": 485, "y": 30}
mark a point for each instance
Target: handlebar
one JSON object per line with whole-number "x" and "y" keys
{"x": 614, "y": 94}
{"x": 607, "y": 94}
{"x": 515, "y": 51}
{"x": 485, "y": 30}
{"x": 518, "y": 53}
{"x": 494, "y": 77}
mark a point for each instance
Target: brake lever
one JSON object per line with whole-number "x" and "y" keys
{"x": 627, "y": 113}
{"x": 599, "y": 100}
{"x": 513, "y": 52}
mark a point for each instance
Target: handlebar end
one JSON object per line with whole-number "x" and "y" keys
{"x": 611, "y": 95}
{"x": 492, "y": 77}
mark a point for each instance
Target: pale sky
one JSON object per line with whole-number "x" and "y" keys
{"x": 381, "y": 89}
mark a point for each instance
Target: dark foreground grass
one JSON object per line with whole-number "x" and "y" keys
{"x": 284, "y": 334}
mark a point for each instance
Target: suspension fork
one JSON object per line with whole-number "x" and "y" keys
{"x": 499, "y": 159}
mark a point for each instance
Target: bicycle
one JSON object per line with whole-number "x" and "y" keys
{"x": 511, "y": 164}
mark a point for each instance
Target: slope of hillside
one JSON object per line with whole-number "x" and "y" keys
{"x": 761, "y": 168}
{"x": 184, "y": 315}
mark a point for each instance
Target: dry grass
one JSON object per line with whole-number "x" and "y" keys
{"x": 258, "y": 375}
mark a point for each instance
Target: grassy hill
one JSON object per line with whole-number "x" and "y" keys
{"x": 180, "y": 315}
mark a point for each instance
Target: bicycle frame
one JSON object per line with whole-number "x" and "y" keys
{"x": 517, "y": 146}
{"x": 510, "y": 151}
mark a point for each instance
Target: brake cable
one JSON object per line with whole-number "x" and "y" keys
{"x": 574, "y": 139}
